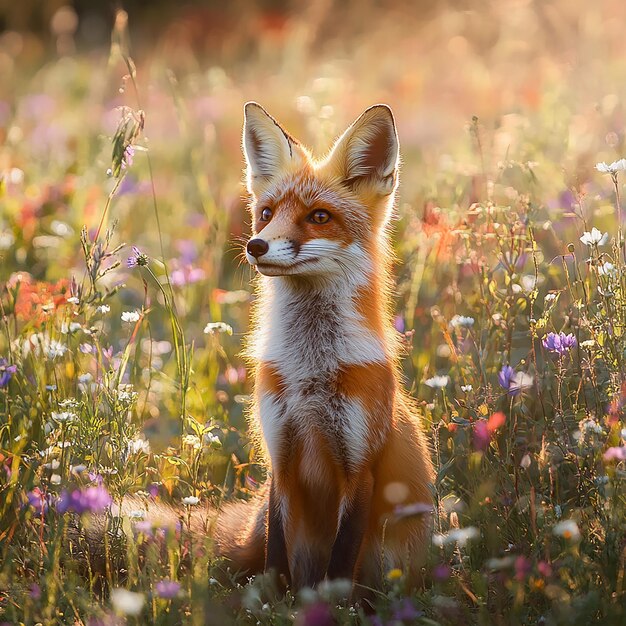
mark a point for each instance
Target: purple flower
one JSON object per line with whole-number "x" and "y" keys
{"x": 441, "y": 572}
{"x": 405, "y": 610}
{"x": 35, "y": 591}
{"x": 559, "y": 343}
{"x": 186, "y": 275}
{"x": 167, "y": 589}
{"x": 6, "y": 372}
{"x": 318, "y": 614}
{"x": 39, "y": 500}
{"x": 506, "y": 376}
{"x": 92, "y": 500}
{"x": 127, "y": 159}
{"x": 138, "y": 258}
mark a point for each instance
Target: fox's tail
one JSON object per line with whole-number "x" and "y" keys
{"x": 237, "y": 531}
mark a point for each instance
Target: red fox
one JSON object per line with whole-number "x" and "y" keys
{"x": 347, "y": 457}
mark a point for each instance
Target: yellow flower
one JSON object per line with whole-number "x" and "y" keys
{"x": 394, "y": 574}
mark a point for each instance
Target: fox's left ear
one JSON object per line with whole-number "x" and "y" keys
{"x": 368, "y": 152}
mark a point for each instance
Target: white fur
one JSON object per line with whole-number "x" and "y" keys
{"x": 272, "y": 418}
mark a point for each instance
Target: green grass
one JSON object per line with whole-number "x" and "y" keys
{"x": 499, "y": 138}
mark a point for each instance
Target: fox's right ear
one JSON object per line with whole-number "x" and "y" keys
{"x": 269, "y": 149}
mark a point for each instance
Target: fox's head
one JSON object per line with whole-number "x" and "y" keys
{"x": 319, "y": 217}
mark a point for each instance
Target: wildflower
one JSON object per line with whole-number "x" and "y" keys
{"x": 6, "y": 372}
{"x": 441, "y": 572}
{"x": 130, "y": 316}
{"x": 103, "y": 308}
{"x": 594, "y": 238}
{"x": 505, "y": 376}
{"x": 218, "y": 327}
{"x": 138, "y": 258}
{"x": 192, "y": 441}
{"x": 568, "y": 529}
{"x": 127, "y": 158}
{"x": 437, "y": 382}
{"x": 459, "y": 536}
{"x": 484, "y": 429}
{"x": 167, "y": 589}
{"x": 405, "y": 610}
{"x": 544, "y": 568}
{"x": 525, "y": 462}
{"x": 138, "y": 445}
{"x": 522, "y": 567}
{"x": 89, "y": 500}
{"x": 72, "y": 327}
{"x": 616, "y": 453}
{"x": 607, "y": 269}
{"x": 466, "y": 388}
{"x": 559, "y": 343}
{"x": 55, "y": 479}
{"x": 127, "y": 602}
{"x": 55, "y": 349}
{"x": 63, "y": 416}
{"x": 186, "y": 275}
{"x": 73, "y": 300}
{"x": 550, "y": 297}
{"x": 460, "y": 320}
{"x": 191, "y": 500}
{"x": 35, "y": 591}
{"x": 316, "y": 614}
{"x": 394, "y": 574}
{"x": 39, "y": 500}
{"x": 144, "y": 527}
{"x": 589, "y": 343}
{"x": 611, "y": 168}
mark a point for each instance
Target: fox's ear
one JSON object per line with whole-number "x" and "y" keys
{"x": 368, "y": 152}
{"x": 267, "y": 146}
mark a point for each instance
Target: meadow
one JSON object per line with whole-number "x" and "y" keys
{"x": 124, "y": 303}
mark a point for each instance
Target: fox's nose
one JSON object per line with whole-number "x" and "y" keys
{"x": 257, "y": 247}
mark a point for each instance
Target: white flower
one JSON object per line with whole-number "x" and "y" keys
{"x": 218, "y": 327}
{"x": 437, "y": 381}
{"x": 73, "y": 300}
{"x": 611, "y": 168}
{"x": 130, "y": 316}
{"x": 63, "y": 416}
{"x": 136, "y": 514}
{"x": 55, "y": 349}
{"x": 138, "y": 445}
{"x": 520, "y": 382}
{"x": 568, "y": 529}
{"x": 550, "y": 297}
{"x": 103, "y": 308}
{"x": 191, "y": 500}
{"x": 127, "y": 602}
{"x": 588, "y": 343}
{"x": 55, "y": 479}
{"x": 595, "y": 237}
{"x": 460, "y": 536}
{"x": 466, "y": 388}
{"x": 72, "y": 327}
{"x": 525, "y": 462}
{"x": 461, "y": 320}
{"x": 607, "y": 269}
{"x": 192, "y": 440}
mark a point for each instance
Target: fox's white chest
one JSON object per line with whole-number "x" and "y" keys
{"x": 308, "y": 338}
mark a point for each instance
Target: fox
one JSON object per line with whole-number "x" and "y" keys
{"x": 350, "y": 476}
{"x": 346, "y": 454}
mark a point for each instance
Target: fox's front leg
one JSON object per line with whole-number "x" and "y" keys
{"x": 311, "y": 524}
{"x": 352, "y": 527}
{"x": 275, "y": 547}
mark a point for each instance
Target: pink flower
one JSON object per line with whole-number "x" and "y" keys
{"x": 167, "y": 589}
{"x": 616, "y": 453}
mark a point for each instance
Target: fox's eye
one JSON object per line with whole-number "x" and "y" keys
{"x": 266, "y": 214}
{"x": 319, "y": 217}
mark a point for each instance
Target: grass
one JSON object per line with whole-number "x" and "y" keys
{"x": 123, "y": 377}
